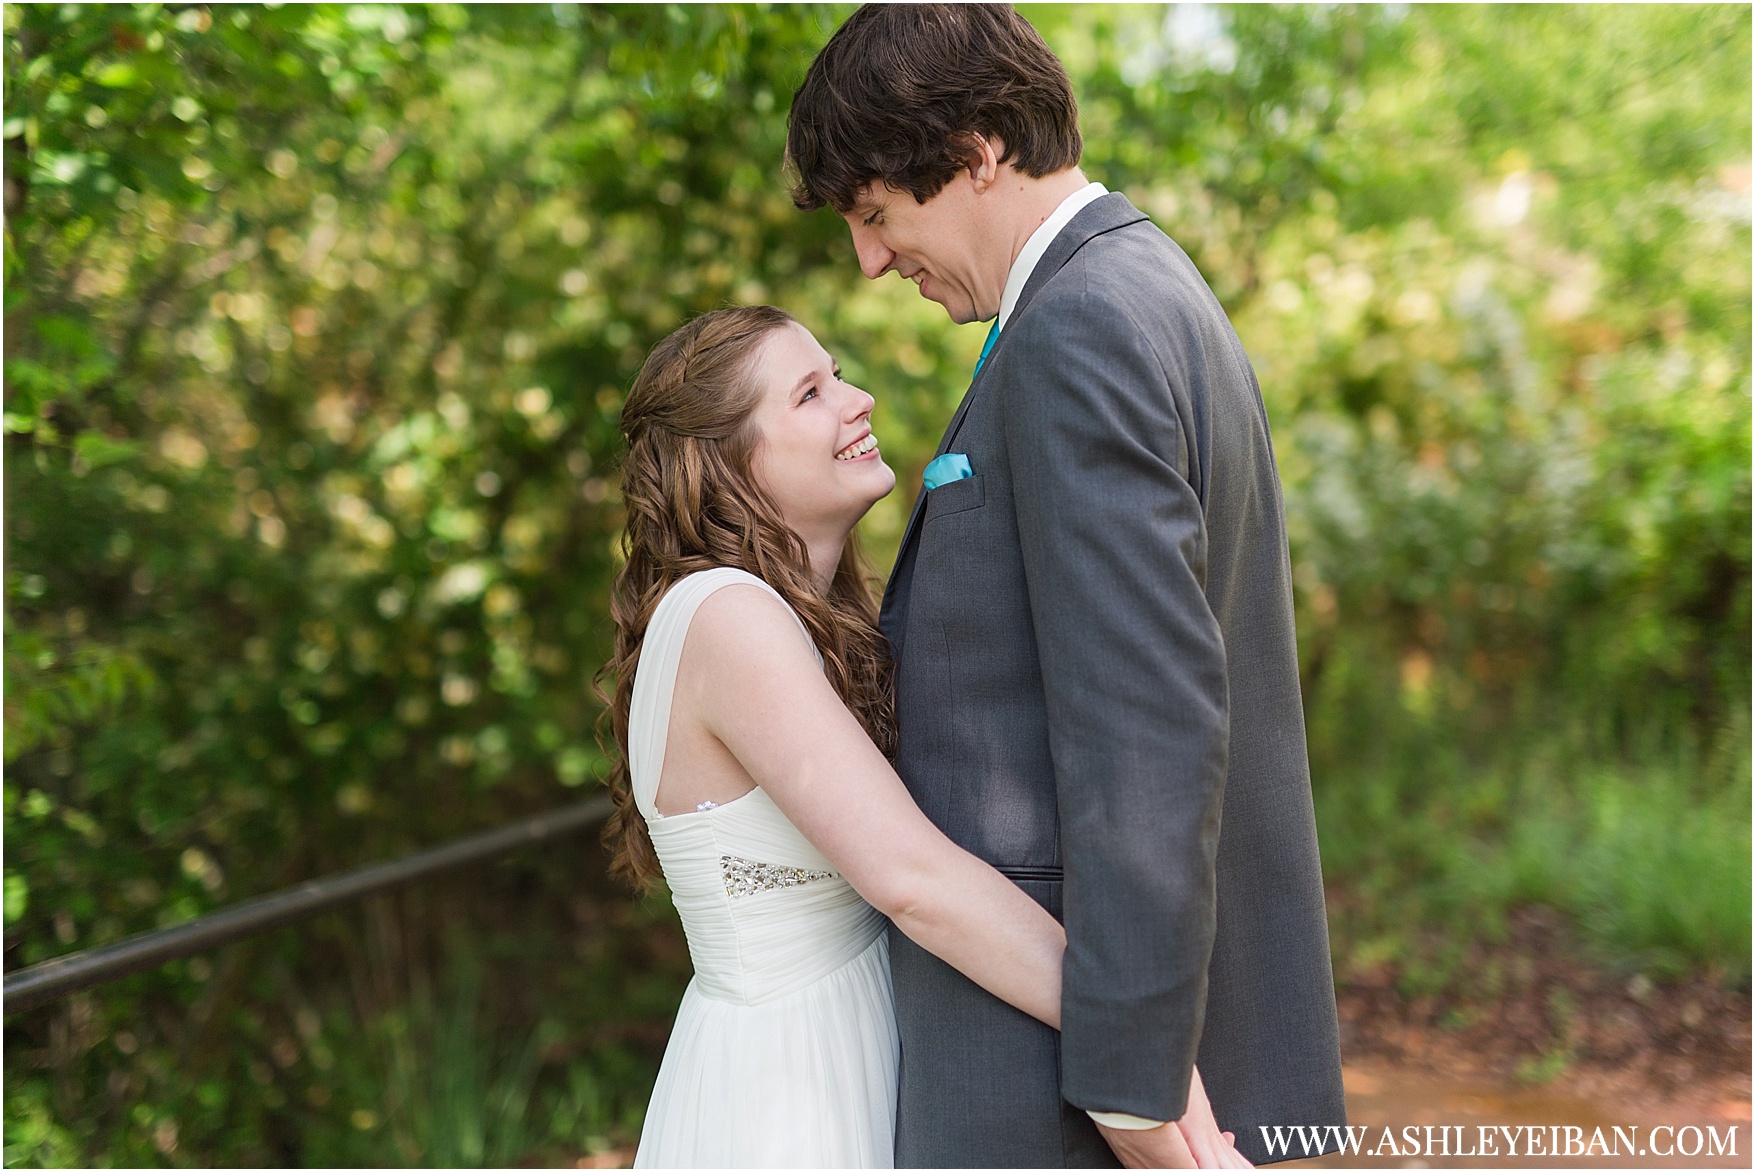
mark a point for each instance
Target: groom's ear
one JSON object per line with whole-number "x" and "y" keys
{"x": 982, "y": 156}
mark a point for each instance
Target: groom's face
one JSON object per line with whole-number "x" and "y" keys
{"x": 939, "y": 245}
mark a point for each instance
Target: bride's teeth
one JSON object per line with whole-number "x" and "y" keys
{"x": 859, "y": 449}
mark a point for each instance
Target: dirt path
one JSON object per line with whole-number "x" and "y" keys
{"x": 1538, "y": 1040}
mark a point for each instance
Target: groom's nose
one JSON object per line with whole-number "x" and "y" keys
{"x": 874, "y": 259}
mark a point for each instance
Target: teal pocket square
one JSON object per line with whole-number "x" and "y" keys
{"x": 948, "y": 467}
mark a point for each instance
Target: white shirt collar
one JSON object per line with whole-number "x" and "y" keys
{"x": 1038, "y": 244}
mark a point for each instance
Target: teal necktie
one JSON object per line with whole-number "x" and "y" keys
{"x": 987, "y": 347}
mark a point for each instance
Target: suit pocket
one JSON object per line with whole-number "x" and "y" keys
{"x": 959, "y": 496}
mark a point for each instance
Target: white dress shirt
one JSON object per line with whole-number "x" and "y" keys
{"x": 1038, "y": 244}
{"x": 1015, "y": 281}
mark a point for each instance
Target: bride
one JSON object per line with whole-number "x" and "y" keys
{"x": 752, "y": 711}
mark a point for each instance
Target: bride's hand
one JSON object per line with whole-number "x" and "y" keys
{"x": 1210, "y": 1147}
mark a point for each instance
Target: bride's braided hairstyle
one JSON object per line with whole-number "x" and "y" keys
{"x": 693, "y": 503}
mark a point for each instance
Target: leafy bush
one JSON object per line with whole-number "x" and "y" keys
{"x": 318, "y": 323}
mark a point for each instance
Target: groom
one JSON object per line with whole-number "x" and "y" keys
{"x": 1097, "y": 680}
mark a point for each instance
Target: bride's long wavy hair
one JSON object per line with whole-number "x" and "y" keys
{"x": 693, "y": 503}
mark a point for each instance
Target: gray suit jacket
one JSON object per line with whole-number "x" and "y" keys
{"x": 1097, "y": 690}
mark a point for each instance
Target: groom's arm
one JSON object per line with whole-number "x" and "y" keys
{"x": 1133, "y": 667}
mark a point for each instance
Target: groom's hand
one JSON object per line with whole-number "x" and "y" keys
{"x": 1155, "y": 1147}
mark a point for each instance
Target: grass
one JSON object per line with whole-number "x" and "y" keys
{"x": 1645, "y": 849}
{"x": 1654, "y": 872}
{"x": 454, "y": 1099}
{"x": 435, "y": 1083}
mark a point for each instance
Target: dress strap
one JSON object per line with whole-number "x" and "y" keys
{"x": 655, "y": 673}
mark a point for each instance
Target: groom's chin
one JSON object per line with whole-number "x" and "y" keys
{"x": 960, "y": 313}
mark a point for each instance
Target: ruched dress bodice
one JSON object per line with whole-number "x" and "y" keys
{"x": 764, "y": 912}
{"x": 784, "y": 1050}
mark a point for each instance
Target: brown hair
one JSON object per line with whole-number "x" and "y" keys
{"x": 899, "y": 88}
{"x": 693, "y": 503}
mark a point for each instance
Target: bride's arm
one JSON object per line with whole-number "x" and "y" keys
{"x": 748, "y": 675}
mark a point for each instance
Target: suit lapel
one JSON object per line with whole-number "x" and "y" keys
{"x": 1102, "y": 215}
{"x": 944, "y": 443}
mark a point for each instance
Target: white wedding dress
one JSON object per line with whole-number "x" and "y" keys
{"x": 784, "y": 1051}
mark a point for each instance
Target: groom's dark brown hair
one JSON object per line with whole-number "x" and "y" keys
{"x": 899, "y": 88}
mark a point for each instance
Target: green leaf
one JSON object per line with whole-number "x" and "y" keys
{"x": 574, "y": 765}
{"x": 100, "y": 451}
{"x": 116, "y": 75}
{"x": 17, "y": 897}
{"x": 60, "y": 166}
{"x": 68, "y": 334}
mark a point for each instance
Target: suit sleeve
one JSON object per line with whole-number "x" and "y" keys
{"x": 1133, "y": 669}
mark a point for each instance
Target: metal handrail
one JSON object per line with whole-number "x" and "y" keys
{"x": 42, "y": 983}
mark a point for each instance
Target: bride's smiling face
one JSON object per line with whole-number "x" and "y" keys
{"x": 815, "y": 454}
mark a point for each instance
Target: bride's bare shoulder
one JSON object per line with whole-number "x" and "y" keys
{"x": 745, "y": 622}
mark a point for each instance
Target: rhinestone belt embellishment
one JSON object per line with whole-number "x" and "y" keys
{"x": 743, "y": 877}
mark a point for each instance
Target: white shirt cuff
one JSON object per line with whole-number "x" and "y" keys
{"x": 1124, "y": 1122}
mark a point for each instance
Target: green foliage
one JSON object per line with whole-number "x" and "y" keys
{"x": 48, "y": 693}
{"x": 318, "y": 323}
{"x": 33, "y": 1138}
{"x": 1647, "y": 853}
{"x": 434, "y": 1090}
{"x": 1653, "y": 868}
